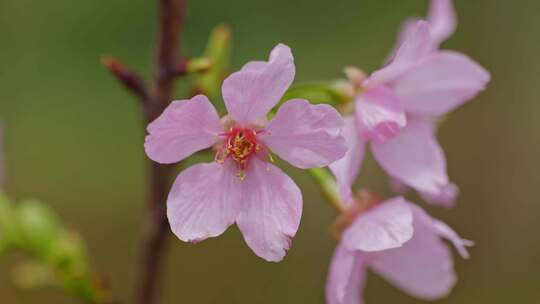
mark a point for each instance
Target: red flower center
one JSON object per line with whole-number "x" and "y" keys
{"x": 241, "y": 145}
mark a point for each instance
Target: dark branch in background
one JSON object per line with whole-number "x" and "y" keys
{"x": 155, "y": 99}
{"x": 128, "y": 78}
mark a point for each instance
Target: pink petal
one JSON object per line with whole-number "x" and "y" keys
{"x": 250, "y": 93}
{"x": 272, "y": 210}
{"x": 407, "y": 29}
{"x": 185, "y": 127}
{"x": 441, "y": 83}
{"x": 379, "y": 114}
{"x": 414, "y": 157}
{"x": 442, "y": 24}
{"x": 306, "y": 135}
{"x": 442, "y": 20}
{"x": 346, "y": 169}
{"x": 205, "y": 199}
{"x": 416, "y": 47}
{"x": 387, "y": 225}
{"x": 346, "y": 277}
{"x": 256, "y": 66}
{"x": 445, "y": 196}
{"x": 423, "y": 267}
{"x": 448, "y": 233}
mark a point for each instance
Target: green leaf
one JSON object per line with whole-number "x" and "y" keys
{"x": 57, "y": 256}
{"x": 217, "y": 53}
{"x": 68, "y": 254}
{"x": 332, "y": 93}
{"x": 199, "y": 65}
{"x": 38, "y": 226}
{"x": 315, "y": 92}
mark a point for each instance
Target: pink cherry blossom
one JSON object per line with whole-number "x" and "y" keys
{"x": 242, "y": 186}
{"x": 398, "y": 104}
{"x": 442, "y": 21}
{"x": 382, "y": 239}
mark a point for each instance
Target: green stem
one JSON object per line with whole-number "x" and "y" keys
{"x": 328, "y": 187}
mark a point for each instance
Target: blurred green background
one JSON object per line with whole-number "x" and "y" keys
{"x": 74, "y": 139}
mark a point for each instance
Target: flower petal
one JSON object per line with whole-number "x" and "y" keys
{"x": 442, "y": 20}
{"x": 387, "y": 225}
{"x": 256, "y": 66}
{"x": 306, "y": 135}
{"x": 272, "y": 210}
{"x": 423, "y": 267}
{"x": 448, "y": 233}
{"x": 441, "y": 83}
{"x": 347, "y": 168}
{"x": 185, "y": 127}
{"x": 205, "y": 199}
{"x": 416, "y": 47}
{"x": 379, "y": 114}
{"x": 346, "y": 277}
{"x": 251, "y": 92}
{"x": 414, "y": 157}
{"x": 445, "y": 196}
{"x": 406, "y": 29}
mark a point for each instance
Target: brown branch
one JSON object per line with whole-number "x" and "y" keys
{"x": 168, "y": 65}
{"x": 181, "y": 67}
{"x": 129, "y": 79}
{"x": 171, "y": 19}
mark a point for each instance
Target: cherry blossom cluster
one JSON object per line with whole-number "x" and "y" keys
{"x": 394, "y": 111}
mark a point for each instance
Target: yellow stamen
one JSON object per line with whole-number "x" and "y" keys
{"x": 241, "y": 175}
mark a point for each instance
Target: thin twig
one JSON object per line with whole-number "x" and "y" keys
{"x": 171, "y": 19}
{"x": 168, "y": 65}
{"x": 129, "y": 79}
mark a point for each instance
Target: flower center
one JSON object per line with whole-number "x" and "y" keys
{"x": 241, "y": 145}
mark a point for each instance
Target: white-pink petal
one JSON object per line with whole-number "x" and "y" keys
{"x": 346, "y": 277}
{"x": 445, "y": 196}
{"x": 347, "y": 168}
{"x": 379, "y": 114}
{"x": 185, "y": 127}
{"x": 448, "y": 233}
{"x": 442, "y": 20}
{"x": 306, "y": 135}
{"x": 423, "y": 267}
{"x": 205, "y": 199}
{"x": 384, "y": 226}
{"x": 250, "y": 93}
{"x": 440, "y": 83}
{"x": 272, "y": 207}
{"x": 406, "y": 29}
{"x": 417, "y": 46}
{"x": 414, "y": 157}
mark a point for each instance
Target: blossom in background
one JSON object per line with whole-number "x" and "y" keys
{"x": 241, "y": 185}
{"x": 400, "y": 242}
{"x": 442, "y": 21}
{"x": 397, "y": 106}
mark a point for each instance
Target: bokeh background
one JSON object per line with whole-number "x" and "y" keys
{"x": 74, "y": 139}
